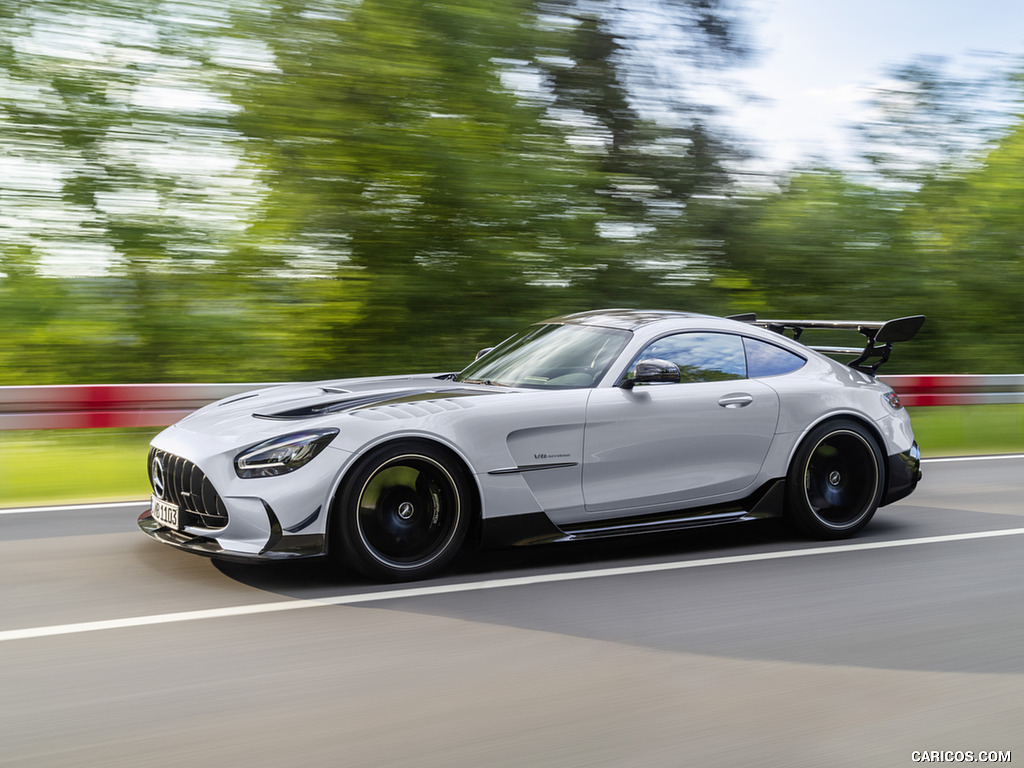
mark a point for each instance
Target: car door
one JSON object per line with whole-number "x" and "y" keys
{"x": 662, "y": 447}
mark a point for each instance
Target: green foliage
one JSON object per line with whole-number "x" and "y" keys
{"x": 392, "y": 148}
{"x": 282, "y": 189}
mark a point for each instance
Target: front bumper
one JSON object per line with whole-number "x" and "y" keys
{"x": 224, "y": 516}
{"x": 904, "y": 474}
{"x": 278, "y": 546}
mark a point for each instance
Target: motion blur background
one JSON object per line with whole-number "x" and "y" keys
{"x": 276, "y": 190}
{"x": 273, "y": 190}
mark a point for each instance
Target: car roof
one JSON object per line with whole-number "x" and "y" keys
{"x": 626, "y": 319}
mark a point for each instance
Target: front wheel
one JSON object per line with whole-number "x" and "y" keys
{"x": 404, "y": 512}
{"x": 836, "y": 480}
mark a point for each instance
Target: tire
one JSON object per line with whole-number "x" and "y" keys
{"x": 403, "y": 513}
{"x": 836, "y": 480}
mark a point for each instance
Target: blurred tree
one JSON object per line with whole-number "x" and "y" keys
{"x": 821, "y": 243}
{"x": 624, "y": 79}
{"x": 468, "y": 166}
{"x": 935, "y": 232}
{"x": 119, "y": 177}
{"x": 968, "y": 232}
{"x": 927, "y": 120}
{"x": 268, "y": 189}
{"x": 405, "y": 172}
{"x": 951, "y": 144}
{"x": 406, "y": 169}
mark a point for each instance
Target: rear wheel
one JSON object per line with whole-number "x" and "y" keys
{"x": 404, "y": 512}
{"x": 836, "y": 480}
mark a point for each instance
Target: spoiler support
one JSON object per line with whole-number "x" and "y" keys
{"x": 880, "y": 336}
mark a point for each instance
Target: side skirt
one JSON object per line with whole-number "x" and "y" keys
{"x": 537, "y": 528}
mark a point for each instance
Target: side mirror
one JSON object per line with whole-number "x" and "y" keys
{"x": 482, "y": 352}
{"x": 654, "y": 371}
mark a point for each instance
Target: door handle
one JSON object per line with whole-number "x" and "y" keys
{"x": 736, "y": 401}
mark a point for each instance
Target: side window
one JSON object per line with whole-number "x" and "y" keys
{"x": 764, "y": 359}
{"x": 700, "y": 356}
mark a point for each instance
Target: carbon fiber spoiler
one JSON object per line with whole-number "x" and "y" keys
{"x": 880, "y": 336}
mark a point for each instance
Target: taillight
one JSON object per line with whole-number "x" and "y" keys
{"x": 893, "y": 400}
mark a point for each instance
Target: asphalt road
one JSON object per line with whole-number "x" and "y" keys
{"x": 737, "y": 646}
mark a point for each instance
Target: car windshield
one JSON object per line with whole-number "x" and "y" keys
{"x": 549, "y": 356}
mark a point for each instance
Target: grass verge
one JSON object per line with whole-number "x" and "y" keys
{"x": 969, "y": 430}
{"x": 62, "y": 466}
{"x": 54, "y": 466}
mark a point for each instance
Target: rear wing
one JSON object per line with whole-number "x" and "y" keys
{"x": 880, "y": 336}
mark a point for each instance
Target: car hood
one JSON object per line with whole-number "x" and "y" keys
{"x": 270, "y": 411}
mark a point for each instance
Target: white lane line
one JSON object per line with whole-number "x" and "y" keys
{"x": 478, "y": 586}
{"x": 74, "y": 507}
{"x": 974, "y": 458}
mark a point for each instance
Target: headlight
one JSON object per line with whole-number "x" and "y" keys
{"x": 282, "y": 454}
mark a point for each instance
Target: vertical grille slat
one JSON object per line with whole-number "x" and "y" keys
{"x": 194, "y": 481}
{"x": 175, "y": 479}
{"x": 186, "y": 485}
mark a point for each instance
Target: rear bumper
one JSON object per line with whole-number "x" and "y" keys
{"x": 278, "y": 548}
{"x": 904, "y": 474}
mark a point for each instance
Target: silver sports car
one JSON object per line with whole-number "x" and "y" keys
{"x": 589, "y": 425}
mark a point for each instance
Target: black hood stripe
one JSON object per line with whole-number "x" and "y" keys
{"x": 364, "y": 401}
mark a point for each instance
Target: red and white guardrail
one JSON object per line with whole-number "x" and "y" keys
{"x": 91, "y": 406}
{"x": 957, "y": 389}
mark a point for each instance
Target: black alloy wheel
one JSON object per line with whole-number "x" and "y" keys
{"x": 836, "y": 480}
{"x": 404, "y": 512}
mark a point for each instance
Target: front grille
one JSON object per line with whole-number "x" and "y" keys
{"x": 187, "y": 486}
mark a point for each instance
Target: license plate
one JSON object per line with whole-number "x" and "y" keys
{"x": 165, "y": 513}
